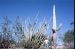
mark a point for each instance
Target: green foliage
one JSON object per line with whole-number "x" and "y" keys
{"x": 69, "y": 39}
{"x": 35, "y": 42}
{"x": 6, "y": 43}
{"x": 69, "y": 36}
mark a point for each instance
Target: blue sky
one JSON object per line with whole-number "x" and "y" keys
{"x": 29, "y": 8}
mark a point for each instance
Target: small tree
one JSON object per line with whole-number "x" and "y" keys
{"x": 6, "y": 34}
{"x": 68, "y": 38}
{"x": 19, "y": 30}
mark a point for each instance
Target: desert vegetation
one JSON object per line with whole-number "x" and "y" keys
{"x": 24, "y": 35}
